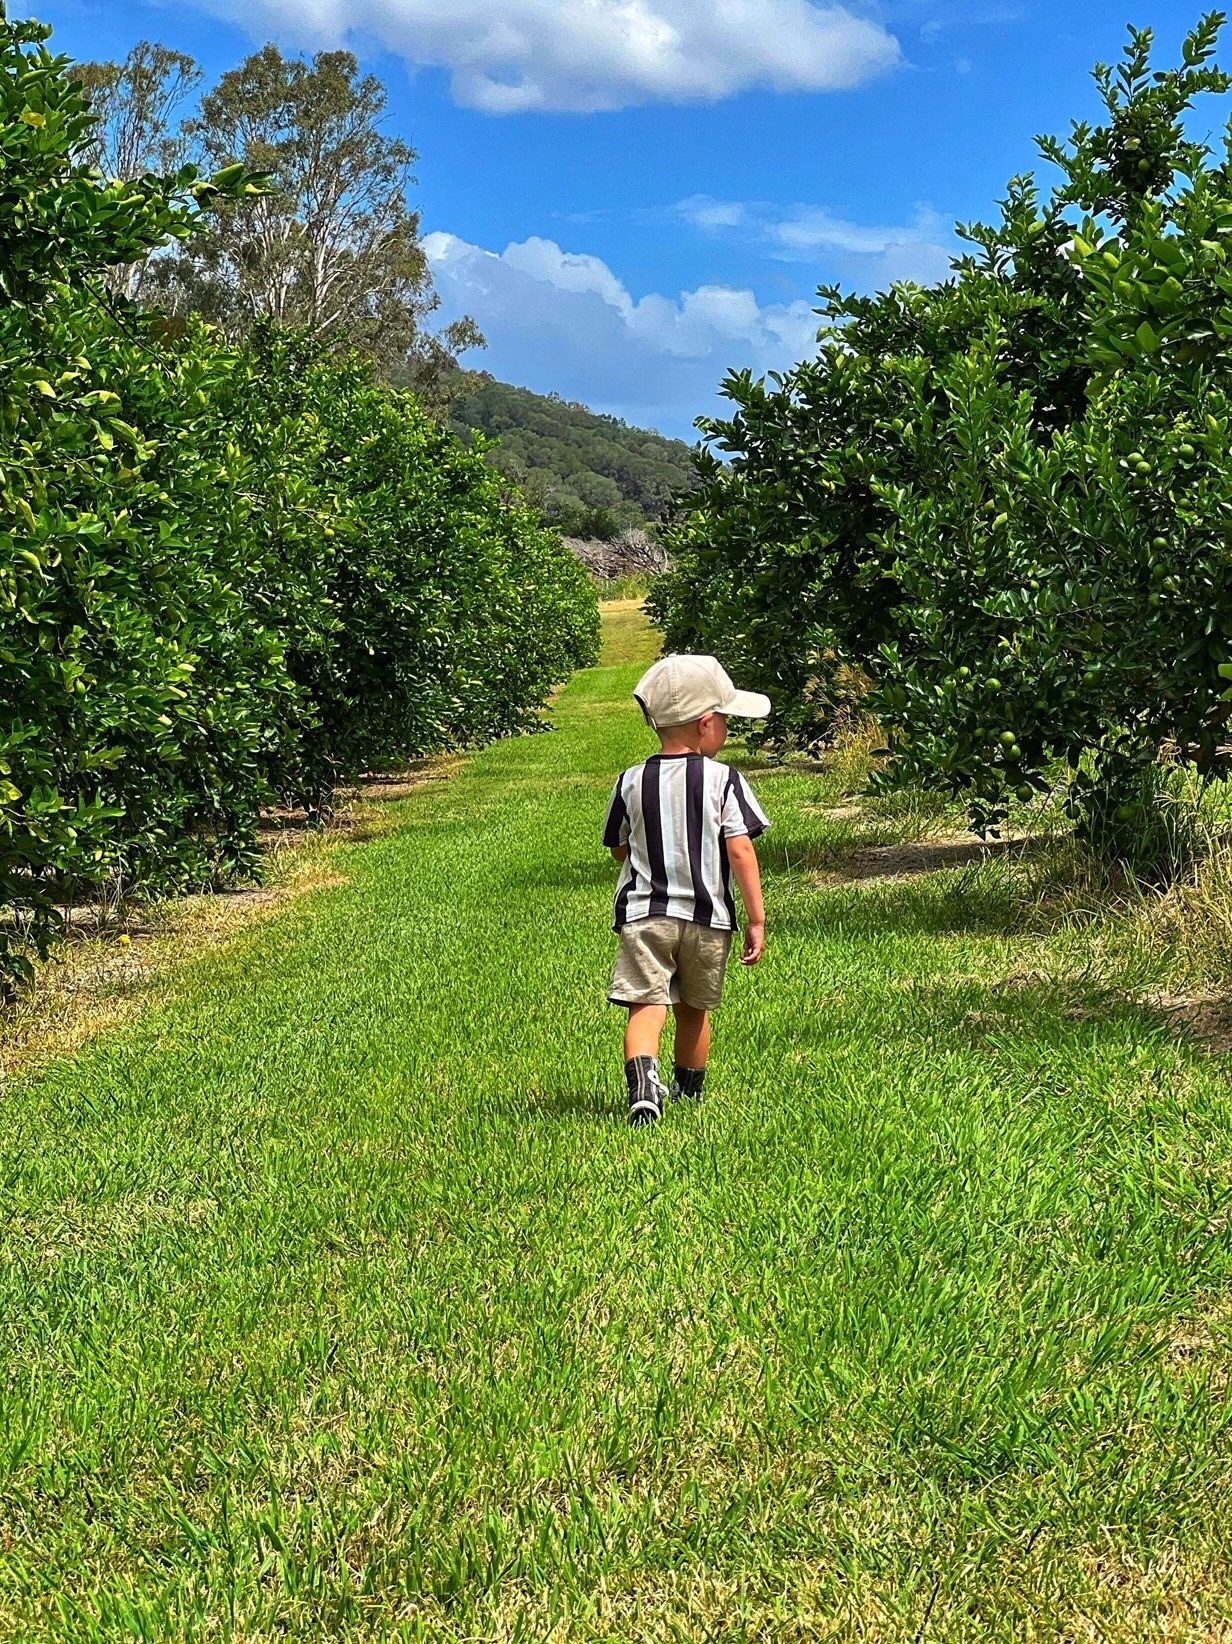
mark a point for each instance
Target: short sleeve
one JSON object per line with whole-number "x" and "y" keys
{"x": 616, "y": 828}
{"x": 742, "y": 815}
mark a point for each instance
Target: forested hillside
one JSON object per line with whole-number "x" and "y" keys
{"x": 592, "y": 475}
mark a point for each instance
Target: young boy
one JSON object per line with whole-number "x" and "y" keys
{"x": 681, "y": 825}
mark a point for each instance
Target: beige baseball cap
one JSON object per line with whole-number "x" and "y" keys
{"x": 680, "y": 689}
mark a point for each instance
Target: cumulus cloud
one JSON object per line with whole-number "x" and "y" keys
{"x": 874, "y": 256}
{"x": 563, "y": 321}
{"x": 514, "y": 56}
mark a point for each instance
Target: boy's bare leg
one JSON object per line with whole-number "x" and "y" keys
{"x": 692, "y": 1037}
{"x": 644, "y": 1031}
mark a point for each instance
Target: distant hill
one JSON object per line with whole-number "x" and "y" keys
{"x": 592, "y": 475}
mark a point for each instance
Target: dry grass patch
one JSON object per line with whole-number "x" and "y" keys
{"x": 1176, "y": 1598}
{"x": 882, "y": 863}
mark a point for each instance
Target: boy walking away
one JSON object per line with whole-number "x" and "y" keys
{"x": 682, "y": 826}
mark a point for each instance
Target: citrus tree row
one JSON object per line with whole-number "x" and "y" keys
{"x": 227, "y": 576}
{"x": 1006, "y": 501}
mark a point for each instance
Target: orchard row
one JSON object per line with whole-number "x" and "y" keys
{"x": 228, "y": 576}
{"x": 1005, "y": 502}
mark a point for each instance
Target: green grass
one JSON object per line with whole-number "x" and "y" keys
{"x": 627, "y": 634}
{"x": 338, "y": 1301}
{"x": 635, "y": 586}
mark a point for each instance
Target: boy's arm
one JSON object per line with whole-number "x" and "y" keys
{"x": 616, "y": 828}
{"x": 742, "y": 853}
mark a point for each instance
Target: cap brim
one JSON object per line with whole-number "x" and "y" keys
{"x": 747, "y": 705}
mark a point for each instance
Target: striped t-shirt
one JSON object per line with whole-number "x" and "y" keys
{"x": 676, "y": 813}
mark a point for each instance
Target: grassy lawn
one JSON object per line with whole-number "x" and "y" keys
{"x": 338, "y": 1301}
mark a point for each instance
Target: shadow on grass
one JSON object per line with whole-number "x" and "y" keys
{"x": 962, "y": 908}
{"x": 597, "y": 871}
{"x": 1035, "y": 1028}
{"x": 587, "y": 1105}
{"x": 858, "y": 862}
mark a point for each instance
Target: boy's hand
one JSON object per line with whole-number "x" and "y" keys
{"x": 754, "y": 944}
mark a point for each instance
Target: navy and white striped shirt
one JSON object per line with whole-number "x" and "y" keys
{"x": 676, "y": 813}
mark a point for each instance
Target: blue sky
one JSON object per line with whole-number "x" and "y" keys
{"x": 632, "y": 196}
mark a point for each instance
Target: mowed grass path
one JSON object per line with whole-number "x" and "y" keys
{"x": 338, "y": 1301}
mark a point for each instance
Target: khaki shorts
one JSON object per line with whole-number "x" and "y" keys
{"x": 671, "y": 962}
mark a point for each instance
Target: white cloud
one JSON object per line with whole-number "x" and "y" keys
{"x": 874, "y": 256}
{"x": 513, "y": 56}
{"x": 563, "y": 321}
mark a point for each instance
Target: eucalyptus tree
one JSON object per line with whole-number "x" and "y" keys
{"x": 333, "y": 246}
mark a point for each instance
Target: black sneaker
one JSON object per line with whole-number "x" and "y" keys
{"x": 647, "y": 1092}
{"x": 689, "y": 1084}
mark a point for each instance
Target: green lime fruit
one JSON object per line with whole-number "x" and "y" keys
{"x": 993, "y": 685}
{"x": 1187, "y": 451}
{"x": 1008, "y": 739}
{"x": 1154, "y": 602}
{"x": 1159, "y": 543}
{"x": 1014, "y": 753}
{"x": 1144, "y": 165}
{"x": 964, "y": 673}
{"x": 1143, "y": 468}
{"x": 1024, "y": 793}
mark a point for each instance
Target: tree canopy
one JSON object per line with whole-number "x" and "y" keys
{"x": 1006, "y": 501}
